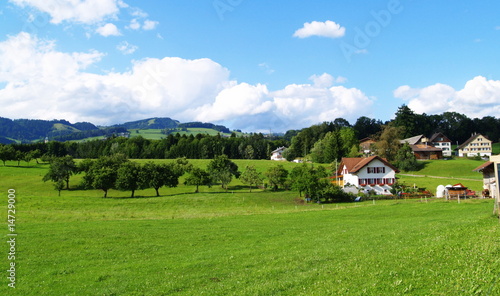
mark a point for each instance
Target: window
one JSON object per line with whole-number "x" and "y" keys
{"x": 376, "y": 170}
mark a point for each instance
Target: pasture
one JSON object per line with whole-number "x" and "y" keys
{"x": 242, "y": 243}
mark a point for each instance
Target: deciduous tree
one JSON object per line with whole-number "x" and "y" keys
{"x": 61, "y": 168}
{"x": 250, "y": 176}
{"x": 198, "y": 177}
{"x": 277, "y": 176}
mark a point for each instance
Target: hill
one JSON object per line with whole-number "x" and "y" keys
{"x": 33, "y": 130}
{"x": 27, "y": 130}
{"x": 150, "y": 123}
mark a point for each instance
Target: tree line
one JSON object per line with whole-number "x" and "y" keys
{"x": 117, "y": 172}
{"x": 255, "y": 146}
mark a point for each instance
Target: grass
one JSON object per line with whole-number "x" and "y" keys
{"x": 241, "y": 243}
{"x": 155, "y": 134}
{"x": 453, "y": 171}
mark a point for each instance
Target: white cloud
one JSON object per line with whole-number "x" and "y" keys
{"x": 134, "y": 24}
{"x": 80, "y": 11}
{"x": 149, "y": 25}
{"x": 326, "y": 80}
{"x": 307, "y": 104}
{"x": 324, "y": 29}
{"x": 236, "y": 100}
{"x": 108, "y": 29}
{"x": 126, "y": 48}
{"x": 479, "y": 97}
{"x": 41, "y": 82}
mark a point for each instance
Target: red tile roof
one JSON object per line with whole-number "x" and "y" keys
{"x": 355, "y": 164}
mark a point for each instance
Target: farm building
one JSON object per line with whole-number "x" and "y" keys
{"x": 489, "y": 180}
{"x": 368, "y": 173}
{"x": 423, "y": 148}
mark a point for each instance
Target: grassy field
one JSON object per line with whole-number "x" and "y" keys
{"x": 241, "y": 243}
{"x": 155, "y": 134}
{"x": 450, "y": 172}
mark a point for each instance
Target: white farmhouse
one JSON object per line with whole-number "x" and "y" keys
{"x": 370, "y": 173}
{"x": 477, "y": 144}
{"x": 277, "y": 154}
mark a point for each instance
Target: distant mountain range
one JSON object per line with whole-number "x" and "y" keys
{"x": 30, "y": 130}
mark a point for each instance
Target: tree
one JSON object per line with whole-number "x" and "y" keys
{"x": 104, "y": 178}
{"x": 406, "y": 159}
{"x": 159, "y": 175}
{"x": 222, "y": 169}
{"x": 309, "y": 179}
{"x": 101, "y": 173}
{"x": 198, "y": 177}
{"x": 277, "y": 176}
{"x": 388, "y": 142}
{"x": 7, "y": 152}
{"x": 406, "y": 119}
{"x": 18, "y": 156}
{"x": 61, "y": 168}
{"x": 250, "y": 176}
{"x": 59, "y": 185}
{"x": 128, "y": 177}
{"x": 366, "y": 127}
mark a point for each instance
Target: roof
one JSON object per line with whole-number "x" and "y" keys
{"x": 355, "y": 164}
{"x": 472, "y": 138}
{"x": 412, "y": 140}
{"x": 436, "y": 135}
{"x": 484, "y": 166}
{"x": 424, "y": 148}
{"x": 366, "y": 140}
{"x": 279, "y": 149}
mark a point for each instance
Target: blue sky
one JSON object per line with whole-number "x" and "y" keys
{"x": 251, "y": 65}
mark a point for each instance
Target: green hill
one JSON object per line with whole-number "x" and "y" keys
{"x": 151, "y": 123}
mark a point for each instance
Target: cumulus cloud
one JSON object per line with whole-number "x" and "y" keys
{"x": 80, "y": 11}
{"x": 324, "y": 29}
{"x": 306, "y": 104}
{"x": 478, "y": 98}
{"x": 108, "y": 29}
{"x": 41, "y": 82}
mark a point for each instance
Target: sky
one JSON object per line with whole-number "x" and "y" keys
{"x": 250, "y": 65}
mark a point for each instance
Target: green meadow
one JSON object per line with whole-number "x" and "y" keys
{"x": 242, "y": 243}
{"x": 445, "y": 172}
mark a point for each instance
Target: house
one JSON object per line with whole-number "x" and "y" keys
{"x": 368, "y": 173}
{"x": 365, "y": 145}
{"x": 476, "y": 145}
{"x": 489, "y": 180}
{"x": 278, "y": 154}
{"x": 422, "y": 148}
{"x": 439, "y": 140}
